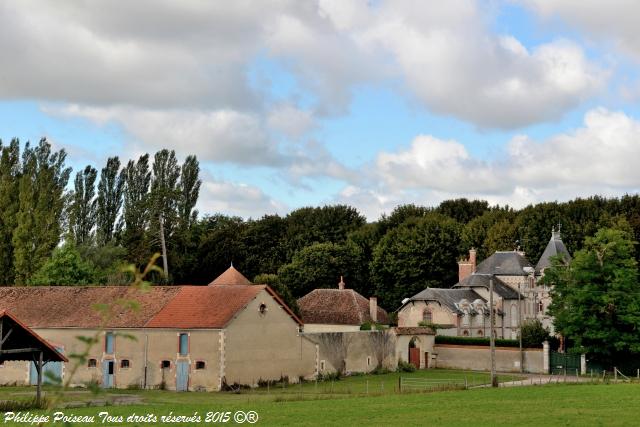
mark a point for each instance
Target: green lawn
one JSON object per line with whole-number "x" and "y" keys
{"x": 610, "y": 405}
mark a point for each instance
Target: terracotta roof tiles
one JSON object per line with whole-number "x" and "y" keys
{"x": 231, "y": 277}
{"x": 337, "y": 307}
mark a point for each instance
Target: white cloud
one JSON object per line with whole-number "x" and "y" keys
{"x": 237, "y": 199}
{"x": 599, "y": 158}
{"x": 614, "y": 20}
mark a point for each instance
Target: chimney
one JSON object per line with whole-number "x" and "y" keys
{"x": 467, "y": 267}
{"x": 341, "y": 284}
{"x": 373, "y": 309}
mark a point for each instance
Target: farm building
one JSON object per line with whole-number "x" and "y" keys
{"x": 180, "y": 337}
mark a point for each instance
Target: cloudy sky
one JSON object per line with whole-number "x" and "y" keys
{"x": 309, "y": 102}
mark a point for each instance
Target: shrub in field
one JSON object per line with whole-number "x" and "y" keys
{"x": 405, "y": 366}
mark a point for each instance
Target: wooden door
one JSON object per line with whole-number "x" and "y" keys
{"x": 414, "y": 356}
{"x": 108, "y": 368}
{"x": 182, "y": 375}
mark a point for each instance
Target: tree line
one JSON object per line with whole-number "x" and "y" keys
{"x": 129, "y": 211}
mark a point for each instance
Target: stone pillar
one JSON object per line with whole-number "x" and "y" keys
{"x": 545, "y": 357}
{"x": 583, "y": 364}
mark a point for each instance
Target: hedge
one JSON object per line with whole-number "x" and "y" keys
{"x": 442, "y": 339}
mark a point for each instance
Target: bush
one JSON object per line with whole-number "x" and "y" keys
{"x": 370, "y": 326}
{"x": 23, "y": 405}
{"x": 405, "y": 367}
{"x": 533, "y": 333}
{"x": 442, "y": 339}
{"x": 330, "y": 376}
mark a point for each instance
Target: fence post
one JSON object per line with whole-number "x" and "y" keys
{"x": 583, "y": 364}
{"x": 615, "y": 374}
{"x": 399, "y": 384}
{"x": 466, "y": 386}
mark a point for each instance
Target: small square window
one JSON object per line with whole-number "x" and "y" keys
{"x": 92, "y": 363}
{"x": 200, "y": 364}
{"x": 124, "y": 363}
{"x": 165, "y": 364}
{"x": 322, "y": 365}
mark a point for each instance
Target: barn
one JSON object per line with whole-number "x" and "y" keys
{"x": 177, "y": 337}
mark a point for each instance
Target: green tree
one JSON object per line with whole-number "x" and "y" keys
{"x": 135, "y": 209}
{"x": 265, "y": 245}
{"x": 419, "y": 253}
{"x": 164, "y": 197}
{"x": 189, "y": 190}
{"x": 533, "y": 333}
{"x": 65, "y": 267}
{"x": 9, "y": 178}
{"x": 82, "y": 216}
{"x": 306, "y": 226}
{"x": 110, "y": 190}
{"x": 42, "y": 199}
{"x": 475, "y": 232}
{"x": 400, "y": 214}
{"x": 502, "y": 236}
{"x": 596, "y": 298}
{"x": 320, "y": 266}
{"x": 463, "y": 210}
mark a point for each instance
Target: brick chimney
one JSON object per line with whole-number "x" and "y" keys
{"x": 373, "y": 309}
{"x": 341, "y": 284}
{"x": 467, "y": 267}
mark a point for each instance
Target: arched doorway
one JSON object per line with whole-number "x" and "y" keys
{"x": 414, "y": 352}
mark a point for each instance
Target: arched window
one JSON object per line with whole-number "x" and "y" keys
{"x": 480, "y": 333}
{"x": 465, "y": 333}
{"x": 540, "y": 307}
{"x": 514, "y": 316}
{"x": 427, "y": 316}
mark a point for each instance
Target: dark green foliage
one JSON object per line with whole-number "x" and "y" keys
{"x": 41, "y": 186}
{"x": 9, "y": 178}
{"x": 476, "y": 232}
{"x": 405, "y": 366}
{"x": 596, "y": 299}
{"x": 320, "y": 265}
{"x": 283, "y": 292}
{"x": 463, "y": 210}
{"x": 442, "y": 339}
{"x": 110, "y": 190}
{"x": 82, "y": 215}
{"x": 399, "y": 215}
{"x": 108, "y": 262}
{"x": 306, "y": 226}
{"x": 419, "y": 253}
{"x": 189, "y": 190}
{"x": 65, "y": 267}
{"x": 533, "y": 333}
{"x": 266, "y": 245}
{"x": 135, "y": 209}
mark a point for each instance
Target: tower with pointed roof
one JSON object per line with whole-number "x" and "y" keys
{"x": 230, "y": 277}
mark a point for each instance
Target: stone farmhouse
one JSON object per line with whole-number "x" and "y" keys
{"x": 184, "y": 337}
{"x": 463, "y": 310}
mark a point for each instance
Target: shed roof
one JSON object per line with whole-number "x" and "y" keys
{"x": 337, "y": 307}
{"x": 18, "y": 336}
{"x": 504, "y": 263}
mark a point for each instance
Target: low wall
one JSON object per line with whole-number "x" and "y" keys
{"x": 478, "y": 358}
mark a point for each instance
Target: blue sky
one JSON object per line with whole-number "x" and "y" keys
{"x": 373, "y": 104}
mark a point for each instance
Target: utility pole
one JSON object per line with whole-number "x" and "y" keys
{"x": 492, "y": 340}
{"x": 520, "y": 331}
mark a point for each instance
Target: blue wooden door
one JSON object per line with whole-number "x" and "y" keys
{"x": 182, "y": 375}
{"x": 51, "y": 372}
{"x": 108, "y": 367}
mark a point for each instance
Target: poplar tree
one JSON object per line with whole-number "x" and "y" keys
{"x": 164, "y": 199}
{"x": 82, "y": 217}
{"x": 189, "y": 190}
{"x": 41, "y": 203}
{"x": 135, "y": 208}
{"x": 110, "y": 191}
{"x": 9, "y": 173}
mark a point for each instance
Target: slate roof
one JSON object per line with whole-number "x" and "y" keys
{"x": 482, "y": 281}
{"x": 447, "y": 297}
{"x": 507, "y": 263}
{"x": 554, "y": 247}
{"x": 173, "y": 307}
{"x": 231, "y": 277}
{"x": 337, "y": 307}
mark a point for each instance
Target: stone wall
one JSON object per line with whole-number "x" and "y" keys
{"x": 478, "y": 358}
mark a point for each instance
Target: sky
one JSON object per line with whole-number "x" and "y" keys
{"x": 292, "y": 103}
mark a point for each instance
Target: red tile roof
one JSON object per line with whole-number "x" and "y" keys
{"x": 337, "y": 307}
{"x": 231, "y": 277}
{"x": 74, "y": 306}
{"x": 19, "y": 336}
{"x": 204, "y": 306}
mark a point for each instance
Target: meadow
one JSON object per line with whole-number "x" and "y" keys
{"x": 349, "y": 404}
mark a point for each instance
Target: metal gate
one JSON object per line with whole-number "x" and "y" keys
{"x": 563, "y": 363}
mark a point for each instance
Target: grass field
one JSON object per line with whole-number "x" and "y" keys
{"x": 607, "y": 405}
